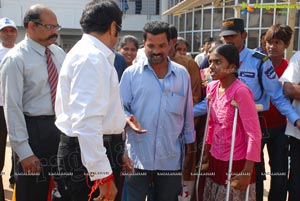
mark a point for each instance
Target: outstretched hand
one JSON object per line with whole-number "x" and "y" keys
{"x": 135, "y": 125}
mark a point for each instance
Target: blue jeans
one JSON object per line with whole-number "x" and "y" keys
{"x": 277, "y": 145}
{"x": 167, "y": 185}
{"x": 294, "y": 177}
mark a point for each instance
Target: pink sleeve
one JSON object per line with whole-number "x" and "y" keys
{"x": 210, "y": 91}
{"x": 249, "y": 118}
{"x": 210, "y": 129}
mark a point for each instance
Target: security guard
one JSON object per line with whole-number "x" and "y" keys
{"x": 257, "y": 72}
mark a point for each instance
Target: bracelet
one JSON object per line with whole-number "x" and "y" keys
{"x": 106, "y": 179}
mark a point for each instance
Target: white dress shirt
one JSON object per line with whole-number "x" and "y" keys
{"x": 292, "y": 75}
{"x": 88, "y": 102}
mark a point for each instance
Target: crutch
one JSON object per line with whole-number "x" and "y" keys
{"x": 208, "y": 97}
{"x": 236, "y": 111}
{"x": 234, "y": 103}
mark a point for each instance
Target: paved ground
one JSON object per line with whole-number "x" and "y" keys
{"x": 7, "y": 167}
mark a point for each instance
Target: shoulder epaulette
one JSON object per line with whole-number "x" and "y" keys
{"x": 261, "y": 56}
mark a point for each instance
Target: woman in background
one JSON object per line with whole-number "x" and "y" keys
{"x": 128, "y": 47}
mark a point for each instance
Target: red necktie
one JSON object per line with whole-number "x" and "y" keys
{"x": 52, "y": 76}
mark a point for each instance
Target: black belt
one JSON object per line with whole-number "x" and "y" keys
{"x": 106, "y": 137}
{"x": 41, "y": 117}
{"x": 110, "y": 137}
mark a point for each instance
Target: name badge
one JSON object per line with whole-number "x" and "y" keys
{"x": 247, "y": 74}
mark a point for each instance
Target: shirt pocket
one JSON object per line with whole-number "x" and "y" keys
{"x": 176, "y": 104}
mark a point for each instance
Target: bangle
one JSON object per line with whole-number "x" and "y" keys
{"x": 106, "y": 179}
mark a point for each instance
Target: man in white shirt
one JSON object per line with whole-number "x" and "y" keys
{"x": 88, "y": 106}
{"x": 291, "y": 87}
{"x": 8, "y": 36}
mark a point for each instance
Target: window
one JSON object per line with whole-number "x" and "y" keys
{"x": 207, "y": 19}
{"x": 253, "y": 39}
{"x": 217, "y": 13}
{"x": 189, "y": 21}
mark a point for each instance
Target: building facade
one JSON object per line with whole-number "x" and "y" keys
{"x": 196, "y": 23}
{"x": 136, "y": 14}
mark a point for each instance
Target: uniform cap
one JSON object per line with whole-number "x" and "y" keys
{"x": 232, "y": 26}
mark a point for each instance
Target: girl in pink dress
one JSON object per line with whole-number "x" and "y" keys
{"x": 224, "y": 63}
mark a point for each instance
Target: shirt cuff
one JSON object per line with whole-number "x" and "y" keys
{"x": 189, "y": 136}
{"x": 22, "y": 149}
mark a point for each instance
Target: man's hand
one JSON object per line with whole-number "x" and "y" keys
{"x": 189, "y": 161}
{"x": 31, "y": 165}
{"x": 127, "y": 165}
{"x": 135, "y": 125}
{"x": 108, "y": 192}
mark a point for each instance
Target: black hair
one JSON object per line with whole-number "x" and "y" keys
{"x": 98, "y": 15}
{"x": 280, "y": 32}
{"x": 173, "y": 31}
{"x": 231, "y": 54}
{"x": 156, "y": 27}
{"x": 128, "y": 38}
{"x": 182, "y": 40}
{"x": 33, "y": 14}
{"x": 208, "y": 40}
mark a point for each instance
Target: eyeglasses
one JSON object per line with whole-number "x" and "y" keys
{"x": 49, "y": 26}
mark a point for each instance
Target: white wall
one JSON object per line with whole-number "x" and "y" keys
{"x": 68, "y": 14}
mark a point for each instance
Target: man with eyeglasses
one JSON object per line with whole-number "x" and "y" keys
{"x": 88, "y": 107}
{"x": 28, "y": 76}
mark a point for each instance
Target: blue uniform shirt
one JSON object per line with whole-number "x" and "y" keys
{"x": 248, "y": 73}
{"x": 120, "y": 64}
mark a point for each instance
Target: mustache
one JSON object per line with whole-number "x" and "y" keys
{"x": 230, "y": 43}
{"x": 156, "y": 55}
{"x": 52, "y": 36}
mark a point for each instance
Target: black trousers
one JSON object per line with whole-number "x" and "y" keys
{"x": 43, "y": 140}
{"x": 69, "y": 162}
{"x": 3, "y": 136}
{"x": 294, "y": 177}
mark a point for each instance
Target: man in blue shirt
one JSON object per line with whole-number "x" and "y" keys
{"x": 156, "y": 94}
{"x": 258, "y": 73}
